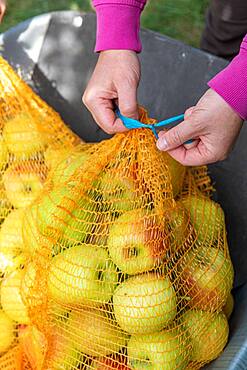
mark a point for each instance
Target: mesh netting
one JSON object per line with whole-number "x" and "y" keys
{"x": 113, "y": 255}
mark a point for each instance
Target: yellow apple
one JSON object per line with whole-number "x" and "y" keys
{"x": 14, "y": 356}
{"x": 11, "y": 261}
{"x": 229, "y": 306}
{"x": 83, "y": 274}
{"x": 34, "y": 344}
{"x": 30, "y": 284}
{"x": 206, "y": 217}
{"x": 23, "y": 136}
{"x": 167, "y": 350}
{"x": 94, "y": 333}
{"x": 11, "y": 231}
{"x": 137, "y": 242}
{"x": 32, "y": 236}
{"x": 208, "y": 333}
{"x": 145, "y": 303}
{"x": 23, "y": 182}
{"x": 11, "y": 297}
{"x": 5, "y": 205}
{"x": 7, "y": 334}
{"x": 206, "y": 277}
{"x": 177, "y": 173}
{"x": 3, "y": 153}
{"x": 12, "y": 245}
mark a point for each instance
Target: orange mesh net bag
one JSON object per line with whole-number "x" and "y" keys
{"x": 118, "y": 260}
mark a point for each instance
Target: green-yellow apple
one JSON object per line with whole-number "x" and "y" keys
{"x": 119, "y": 191}
{"x": 137, "y": 242}
{"x": 177, "y": 173}
{"x": 208, "y": 333}
{"x": 69, "y": 166}
{"x": 3, "y": 153}
{"x": 7, "y": 331}
{"x": 167, "y": 350}
{"x": 144, "y": 303}
{"x": 180, "y": 228}
{"x": 100, "y": 232}
{"x": 54, "y": 155}
{"x": 83, "y": 274}
{"x": 81, "y": 221}
{"x": 94, "y": 333}
{"x": 229, "y": 306}
{"x": 206, "y": 277}
{"x": 206, "y": 216}
{"x": 11, "y": 297}
{"x": 61, "y": 218}
{"x": 23, "y": 182}
{"x": 59, "y": 312}
{"x": 64, "y": 355}
{"x": 114, "y": 362}
{"x": 53, "y": 211}
{"x": 23, "y": 136}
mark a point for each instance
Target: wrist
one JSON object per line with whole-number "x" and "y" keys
{"x": 118, "y": 28}
{"x": 231, "y": 83}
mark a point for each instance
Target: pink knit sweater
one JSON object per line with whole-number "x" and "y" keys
{"x": 118, "y": 26}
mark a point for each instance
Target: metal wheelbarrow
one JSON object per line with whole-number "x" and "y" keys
{"x": 55, "y": 53}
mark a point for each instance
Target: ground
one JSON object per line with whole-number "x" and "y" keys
{"x": 181, "y": 19}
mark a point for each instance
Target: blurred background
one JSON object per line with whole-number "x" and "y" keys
{"x": 181, "y": 19}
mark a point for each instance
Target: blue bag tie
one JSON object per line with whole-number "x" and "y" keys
{"x": 131, "y": 123}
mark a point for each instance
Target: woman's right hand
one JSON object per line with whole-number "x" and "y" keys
{"x": 115, "y": 80}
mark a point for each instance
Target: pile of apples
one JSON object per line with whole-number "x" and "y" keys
{"x": 26, "y": 158}
{"x": 128, "y": 279}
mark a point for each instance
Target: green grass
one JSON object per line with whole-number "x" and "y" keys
{"x": 181, "y": 19}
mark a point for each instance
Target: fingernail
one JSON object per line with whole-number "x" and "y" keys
{"x": 162, "y": 144}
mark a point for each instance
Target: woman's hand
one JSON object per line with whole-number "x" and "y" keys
{"x": 213, "y": 125}
{"x": 115, "y": 79}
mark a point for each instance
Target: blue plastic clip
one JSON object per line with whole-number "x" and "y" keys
{"x": 131, "y": 123}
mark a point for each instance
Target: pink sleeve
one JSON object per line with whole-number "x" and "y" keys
{"x": 231, "y": 83}
{"x": 118, "y": 24}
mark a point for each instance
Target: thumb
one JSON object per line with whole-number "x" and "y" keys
{"x": 176, "y": 136}
{"x": 127, "y": 102}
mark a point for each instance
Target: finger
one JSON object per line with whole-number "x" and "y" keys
{"x": 188, "y": 112}
{"x": 196, "y": 156}
{"x": 2, "y": 10}
{"x": 193, "y": 143}
{"x": 104, "y": 114}
{"x": 127, "y": 102}
{"x": 177, "y": 136}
